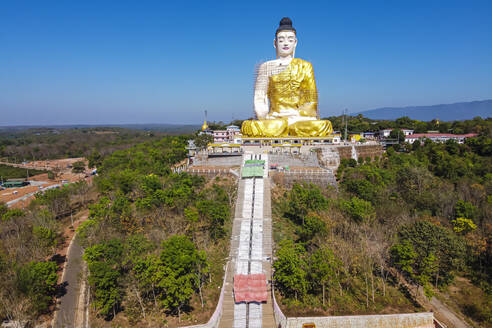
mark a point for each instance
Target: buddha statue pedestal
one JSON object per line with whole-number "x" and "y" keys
{"x": 274, "y": 128}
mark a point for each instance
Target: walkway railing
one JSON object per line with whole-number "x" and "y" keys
{"x": 280, "y": 318}
{"x": 439, "y": 324}
{"x": 209, "y": 171}
{"x": 318, "y": 172}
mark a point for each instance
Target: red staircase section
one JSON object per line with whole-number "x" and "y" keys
{"x": 250, "y": 288}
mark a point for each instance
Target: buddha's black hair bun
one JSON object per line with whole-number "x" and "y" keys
{"x": 286, "y": 21}
{"x": 285, "y": 25}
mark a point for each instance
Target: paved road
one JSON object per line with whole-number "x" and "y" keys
{"x": 26, "y": 196}
{"x": 67, "y": 314}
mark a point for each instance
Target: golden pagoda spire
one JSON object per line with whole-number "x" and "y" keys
{"x": 205, "y": 125}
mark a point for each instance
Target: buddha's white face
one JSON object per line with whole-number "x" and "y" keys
{"x": 285, "y": 43}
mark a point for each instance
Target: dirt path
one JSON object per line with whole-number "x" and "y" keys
{"x": 441, "y": 311}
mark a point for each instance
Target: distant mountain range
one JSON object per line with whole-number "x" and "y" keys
{"x": 445, "y": 112}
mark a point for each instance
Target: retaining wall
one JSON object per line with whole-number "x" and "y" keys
{"x": 406, "y": 320}
{"x": 361, "y": 150}
{"x": 309, "y": 159}
{"x": 320, "y": 178}
{"x": 210, "y": 173}
{"x": 217, "y": 161}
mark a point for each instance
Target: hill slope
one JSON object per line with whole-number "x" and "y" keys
{"x": 445, "y": 112}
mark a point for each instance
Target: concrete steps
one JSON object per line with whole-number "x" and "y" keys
{"x": 259, "y": 315}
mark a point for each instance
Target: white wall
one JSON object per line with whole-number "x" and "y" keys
{"x": 410, "y": 320}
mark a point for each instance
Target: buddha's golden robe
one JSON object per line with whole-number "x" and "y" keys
{"x": 292, "y": 88}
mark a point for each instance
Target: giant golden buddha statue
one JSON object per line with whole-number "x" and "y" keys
{"x": 285, "y": 97}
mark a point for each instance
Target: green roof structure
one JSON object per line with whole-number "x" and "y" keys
{"x": 252, "y": 172}
{"x": 15, "y": 184}
{"x": 254, "y": 161}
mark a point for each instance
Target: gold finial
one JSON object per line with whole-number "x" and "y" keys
{"x": 437, "y": 121}
{"x": 205, "y": 125}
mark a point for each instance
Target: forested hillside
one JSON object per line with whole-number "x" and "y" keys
{"x": 29, "y": 240}
{"x": 424, "y": 214}
{"x": 360, "y": 123}
{"x": 156, "y": 241}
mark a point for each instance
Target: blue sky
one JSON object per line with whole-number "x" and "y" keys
{"x": 99, "y": 62}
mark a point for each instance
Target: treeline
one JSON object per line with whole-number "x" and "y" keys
{"x": 29, "y": 240}
{"x": 155, "y": 241}
{"x": 425, "y": 214}
{"x": 45, "y": 143}
{"x": 360, "y": 123}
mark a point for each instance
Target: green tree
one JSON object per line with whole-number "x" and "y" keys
{"x": 78, "y": 167}
{"x": 12, "y": 213}
{"x": 359, "y": 209}
{"x": 3, "y": 209}
{"x": 103, "y": 279}
{"x": 95, "y": 159}
{"x": 110, "y": 252}
{"x": 464, "y": 209}
{"x": 104, "y": 262}
{"x": 416, "y": 145}
{"x": 181, "y": 271}
{"x": 463, "y": 225}
{"x": 216, "y": 214}
{"x": 452, "y": 147}
{"x": 403, "y": 256}
{"x": 302, "y": 199}
{"x": 428, "y": 267}
{"x": 367, "y": 182}
{"x": 404, "y": 122}
{"x": 201, "y": 141}
{"x": 428, "y": 239}
{"x": 312, "y": 225}
{"x": 57, "y": 201}
{"x": 38, "y": 280}
{"x": 290, "y": 269}
{"x": 192, "y": 216}
{"x": 322, "y": 270}
{"x": 146, "y": 271}
{"x": 398, "y": 135}
{"x": 46, "y": 236}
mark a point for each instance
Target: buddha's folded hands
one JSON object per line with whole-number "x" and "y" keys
{"x": 284, "y": 112}
{"x": 308, "y": 109}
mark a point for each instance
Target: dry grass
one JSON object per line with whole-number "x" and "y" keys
{"x": 462, "y": 296}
